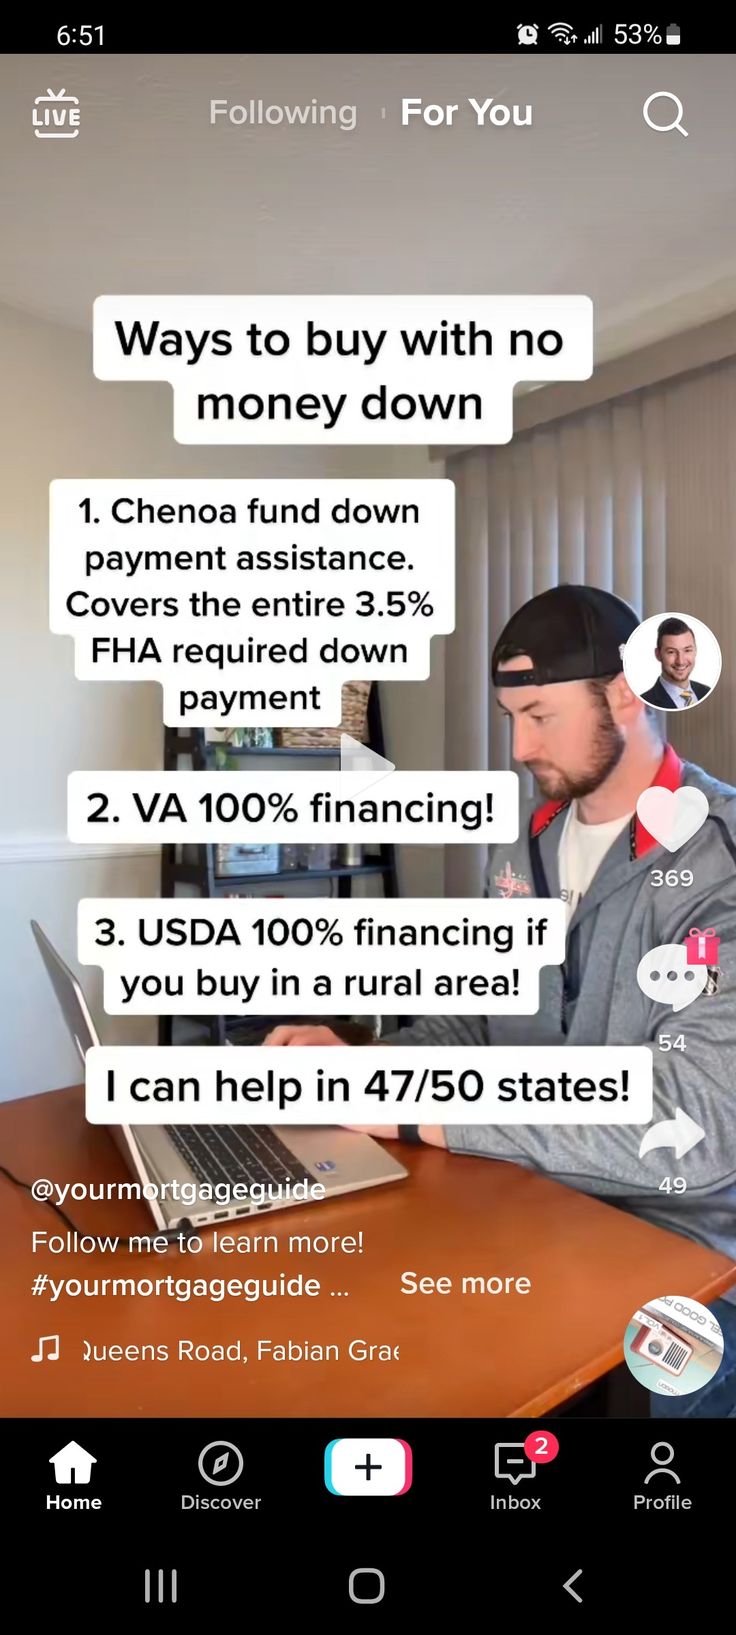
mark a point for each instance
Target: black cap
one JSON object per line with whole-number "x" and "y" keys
{"x": 571, "y": 633}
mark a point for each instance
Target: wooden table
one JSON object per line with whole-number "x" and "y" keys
{"x": 461, "y": 1355}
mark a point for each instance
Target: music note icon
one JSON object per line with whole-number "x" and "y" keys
{"x": 50, "y": 1340}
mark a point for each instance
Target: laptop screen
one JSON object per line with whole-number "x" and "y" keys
{"x": 68, "y": 993}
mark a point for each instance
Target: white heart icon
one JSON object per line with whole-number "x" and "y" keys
{"x": 672, "y": 816}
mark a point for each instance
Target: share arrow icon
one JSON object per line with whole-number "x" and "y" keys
{"x": 680, "y": 1133}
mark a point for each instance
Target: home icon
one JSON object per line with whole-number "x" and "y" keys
{"x": 72, "y": 1464}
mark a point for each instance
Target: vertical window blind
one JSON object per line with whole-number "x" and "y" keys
{"x": 636, "y": 495}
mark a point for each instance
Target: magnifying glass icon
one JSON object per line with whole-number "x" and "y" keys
{"x": 656, "y": 124}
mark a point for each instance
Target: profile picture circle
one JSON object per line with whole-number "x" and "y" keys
{"x": 672, "y": 661}
{"x": 673, "y": 1346}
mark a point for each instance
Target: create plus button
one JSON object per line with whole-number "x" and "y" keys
{"x": 378, "y": 1467}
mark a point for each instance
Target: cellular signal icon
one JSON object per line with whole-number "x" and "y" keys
{"x": 595, "y": 37}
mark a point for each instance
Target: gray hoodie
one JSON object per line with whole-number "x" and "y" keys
{"x": 594, "y": 998}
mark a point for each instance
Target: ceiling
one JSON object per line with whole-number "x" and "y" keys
{"x": 151, "y": 198}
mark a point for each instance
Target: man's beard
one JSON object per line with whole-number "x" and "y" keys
{"x": 607, "y": 752}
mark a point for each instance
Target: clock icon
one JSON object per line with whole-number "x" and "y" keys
{"x": 85, "y": 35}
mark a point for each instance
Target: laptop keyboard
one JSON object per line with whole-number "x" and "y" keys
{"x": 219, "y": 1152}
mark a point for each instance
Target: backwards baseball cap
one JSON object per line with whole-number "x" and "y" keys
{"x": 571, "y": 633}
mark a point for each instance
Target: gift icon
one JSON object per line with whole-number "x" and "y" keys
{"x": 56, "y": 115}
{"x": 702, "y": 946}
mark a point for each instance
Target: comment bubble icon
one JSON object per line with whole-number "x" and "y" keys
{"x": 664, "y": 974}
{"x": 511, "y": 1463}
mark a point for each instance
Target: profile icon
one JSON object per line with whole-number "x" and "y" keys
{"x": 662, "y": 1455}
{"x": 672, "y": 661}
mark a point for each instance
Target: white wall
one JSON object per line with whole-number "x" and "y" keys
{"x": 58, "y": 421}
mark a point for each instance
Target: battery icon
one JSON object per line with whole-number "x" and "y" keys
{"x": 673, "y": 34}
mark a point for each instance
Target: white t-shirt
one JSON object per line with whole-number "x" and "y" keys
{"x": 583, "y": 847}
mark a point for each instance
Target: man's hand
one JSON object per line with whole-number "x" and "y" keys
{"x": 432, "y": 1134}
{"x": 382, "y": 1132}
{"x": 302, "y": 1035}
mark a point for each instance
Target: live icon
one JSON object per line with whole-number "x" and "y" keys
{"x": 56, "y": 115}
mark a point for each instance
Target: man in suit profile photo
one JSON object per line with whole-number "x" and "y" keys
{"x": 677, "y": 653}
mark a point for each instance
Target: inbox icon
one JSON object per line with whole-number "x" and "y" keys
{"x": 378, "y": 1466}
{"x": 512, "y": 1463}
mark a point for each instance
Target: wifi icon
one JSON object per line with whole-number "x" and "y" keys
{"x": 564, "y": 33}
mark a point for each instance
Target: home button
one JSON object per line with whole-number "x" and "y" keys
{"x": 366, "y": 1586}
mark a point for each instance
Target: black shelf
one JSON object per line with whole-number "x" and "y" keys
{"x": 201, "y": 875}
{"x": 246, "y": 750}
{"x": 337, "y": 871}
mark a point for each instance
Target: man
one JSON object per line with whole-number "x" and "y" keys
{"x": 593, "y": 747}
{"x": 677, "y": 652}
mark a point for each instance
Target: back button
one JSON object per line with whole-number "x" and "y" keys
{"x": 568, "y": 1585}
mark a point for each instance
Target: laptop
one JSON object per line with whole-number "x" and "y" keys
{"x": 340, "y": 1160}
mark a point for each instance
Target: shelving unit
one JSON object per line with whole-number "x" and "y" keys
{"x": 198, "y": 873}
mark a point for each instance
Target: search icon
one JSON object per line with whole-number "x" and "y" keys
{"x": 674, "y": 124}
